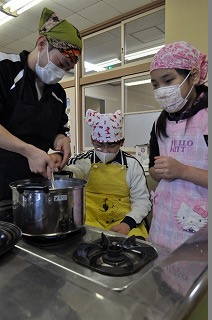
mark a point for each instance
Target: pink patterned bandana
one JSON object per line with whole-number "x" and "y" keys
{"x": 180, "y": 55}
{"x": 105, "y": 127}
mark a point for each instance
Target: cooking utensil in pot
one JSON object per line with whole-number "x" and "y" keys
{"x": 66, "y": 173}
{"x": 39, "y": 210}
{"x": 52, "y": 180}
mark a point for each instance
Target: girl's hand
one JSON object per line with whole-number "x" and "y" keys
{"x": 168, "y": 168}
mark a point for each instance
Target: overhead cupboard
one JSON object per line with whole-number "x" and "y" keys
{"x": 114, "y": 74}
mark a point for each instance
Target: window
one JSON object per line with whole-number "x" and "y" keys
{"x": 144, "y": 36}
{"x": 113, "y": 78}
{"x": 138, "y": 94}
{"x": 131, "y": 41}
{"x": 102, "y": 51}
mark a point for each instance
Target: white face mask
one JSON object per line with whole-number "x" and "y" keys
{"x": 49, "y": 74}
{"x": 170, "y": 98}
{"x": 105, "y": 156}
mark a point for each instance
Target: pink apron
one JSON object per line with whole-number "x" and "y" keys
{"x": 180, "y": 208}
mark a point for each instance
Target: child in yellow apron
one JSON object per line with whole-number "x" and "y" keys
{"x": 108, "y": 198}
{"x": 117, "y": 198}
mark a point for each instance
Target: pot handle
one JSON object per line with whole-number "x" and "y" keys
{"x": 32, "y": 187}
{"x": 64, "y": 173}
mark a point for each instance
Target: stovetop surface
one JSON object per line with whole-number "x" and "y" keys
{"x": 38, "y": 282}
{"x": 61, "y": 251}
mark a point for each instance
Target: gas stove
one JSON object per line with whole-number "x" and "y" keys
{"x": 101, "y": 257}
{"x": 43, "y": 278}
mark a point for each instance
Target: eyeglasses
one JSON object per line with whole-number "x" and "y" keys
{"x": 107, "y": 145}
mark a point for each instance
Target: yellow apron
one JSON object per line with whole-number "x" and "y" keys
{"x": 108, "y": 199}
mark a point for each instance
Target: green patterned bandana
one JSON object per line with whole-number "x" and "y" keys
{"x": 61, "y": 34}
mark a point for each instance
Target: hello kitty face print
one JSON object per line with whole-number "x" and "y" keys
{"x": 105, "y": 127}
{"x": 192, "y": 219}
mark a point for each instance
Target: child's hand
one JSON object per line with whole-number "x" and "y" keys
{"x": 168, "y": 168}
{"x": 122, "y": 228}
{"x": 57, "y": 159}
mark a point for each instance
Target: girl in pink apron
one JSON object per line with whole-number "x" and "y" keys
{"x": 179, "y": 144}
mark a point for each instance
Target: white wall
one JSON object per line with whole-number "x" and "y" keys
{"x": 110, "y": 93}
{"x": 70, "y": 93}
{"x": 138, "y": 128}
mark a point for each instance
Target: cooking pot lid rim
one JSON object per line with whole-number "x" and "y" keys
{"x": 24, "y": 182}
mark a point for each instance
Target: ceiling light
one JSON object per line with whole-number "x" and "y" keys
{"x": 101, "y": 66}
{"x": 92, "y": 67}
{"x": 14, "y": 8}
{"x": 27, "y": 6}
{"x": 109, "y": 63}
{"x": 136, "y": 55}
{"x": 136, "y": 83}
{"x": 143, "y": 53}
{"x": 4, "y": 18}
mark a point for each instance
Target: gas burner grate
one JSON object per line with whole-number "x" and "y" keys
{"x": 114, "y": 256}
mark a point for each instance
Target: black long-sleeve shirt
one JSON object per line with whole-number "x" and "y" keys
{"x": 17, "y": 81}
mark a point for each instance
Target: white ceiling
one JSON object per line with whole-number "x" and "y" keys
{"x": 21, "y": 33}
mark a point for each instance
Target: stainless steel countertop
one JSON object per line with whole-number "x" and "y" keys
{"x": 32, "y": 287}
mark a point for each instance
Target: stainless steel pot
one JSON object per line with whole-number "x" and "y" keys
{"x": 39, "y": 210}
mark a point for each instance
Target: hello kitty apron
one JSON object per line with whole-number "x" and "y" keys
{"x": 180, "y": 208}
{"x": 107, "y": 198}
